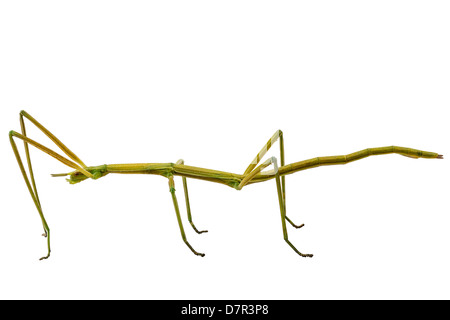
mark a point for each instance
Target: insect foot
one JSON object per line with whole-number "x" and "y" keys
{"x": 46, "y": 257}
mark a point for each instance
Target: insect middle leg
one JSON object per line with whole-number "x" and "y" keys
{"x": 188, "y": 207}
{"x": 177, "y": 211}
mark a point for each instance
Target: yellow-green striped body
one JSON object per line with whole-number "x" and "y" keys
{"x": 233, "y": 180}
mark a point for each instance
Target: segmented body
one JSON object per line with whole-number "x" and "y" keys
{"x": 253, "y": 173}
{"x": 232, "y": 179}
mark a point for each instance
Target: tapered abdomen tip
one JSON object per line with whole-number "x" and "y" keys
{"x": 440, "y": 156}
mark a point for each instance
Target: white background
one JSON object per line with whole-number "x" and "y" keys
{"x": 210, "y": 82}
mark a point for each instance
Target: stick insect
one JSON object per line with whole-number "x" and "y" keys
{"x": 253, "y": 174}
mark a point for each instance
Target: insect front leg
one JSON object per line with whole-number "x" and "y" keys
{"x": 76, "y": 163}
{"x": 32, "y": 190}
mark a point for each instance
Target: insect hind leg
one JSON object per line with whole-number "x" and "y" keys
{"x": 283, "y": 211}
{"x": 278, "y": 135}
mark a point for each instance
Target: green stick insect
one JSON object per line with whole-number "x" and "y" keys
{"x": 253, "y": 174}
